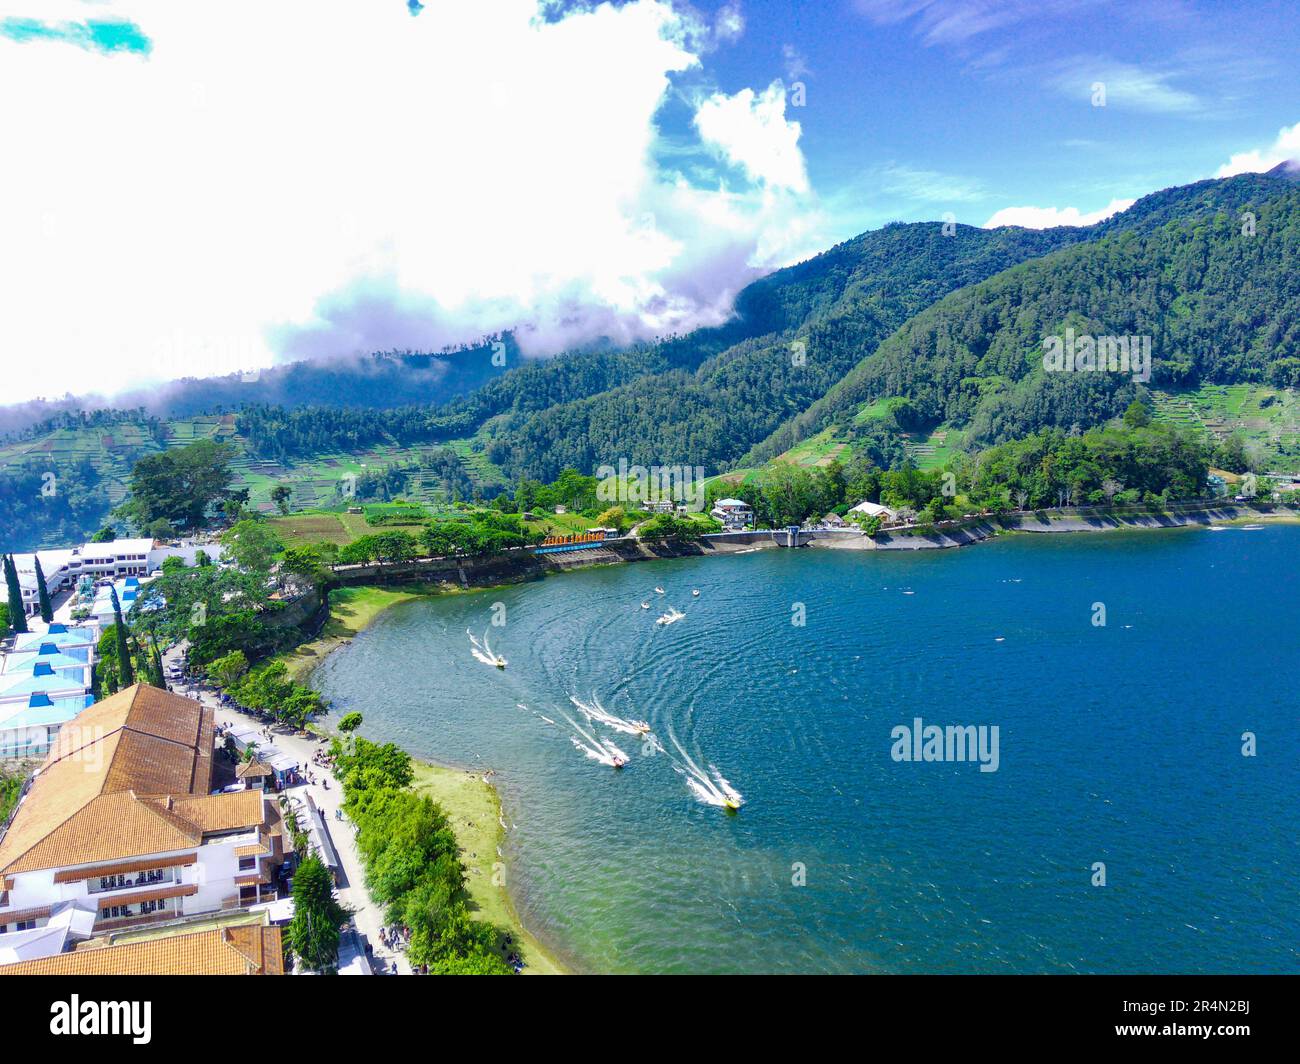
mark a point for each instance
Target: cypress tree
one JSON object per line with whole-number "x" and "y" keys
{"x": 43, "y": 593}
{"x": 156, "y": 666}
{"x": 126, "y": 675}
{"x": 17, "y": 617}
{"x": 317, "y": 917}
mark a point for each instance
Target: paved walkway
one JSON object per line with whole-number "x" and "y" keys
{"x": 353, "y": 893}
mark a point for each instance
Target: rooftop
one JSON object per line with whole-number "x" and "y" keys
{"x": 88, "y": 802}
{"x": 247, "y": 950}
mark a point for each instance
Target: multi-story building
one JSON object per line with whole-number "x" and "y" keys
{"x": 245, "y": 950}
{"x": 44, "y": 683}
{"x": 66, "y": 567}
{"x": 118, "y": 828}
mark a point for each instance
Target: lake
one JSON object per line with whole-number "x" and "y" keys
{"x": 1118, "y": 745}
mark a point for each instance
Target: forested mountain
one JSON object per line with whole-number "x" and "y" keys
{"x": 926, "y": 325}
{"x": 378, "y": 381}
{"x": 1206, "y": 271}
{"x": 821, "y": 316}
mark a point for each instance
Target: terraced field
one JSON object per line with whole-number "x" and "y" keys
{"x": 316, "y": 483}
{"x": 1266, "y": 417}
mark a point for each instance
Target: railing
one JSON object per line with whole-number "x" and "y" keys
{"x": 141, "y": 879}
{"x": 31, "y": 750}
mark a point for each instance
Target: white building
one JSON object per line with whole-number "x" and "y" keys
{"x": 119, "y": 826}
{"x": 116, "y": 560}
{"x": 874, "y": 509}
{"x": 735, "y": 514}
{"x": 44, "y": 684}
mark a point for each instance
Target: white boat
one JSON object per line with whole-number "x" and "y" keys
{"x": 659, "y": 591}
{"x": 645, "y": 605}
{"x": 696, "y": 593}
{"x": 671, "y": 617}
{"x": 618, "y": 762}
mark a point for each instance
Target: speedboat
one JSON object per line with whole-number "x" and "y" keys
{"x": 731, "y": 805}
{"x": 641, "y": 727}
{"x": 618, "y": 762}
{"x": 696, "y": 592}
{"x": 671, "y": 617}
{"x": 645, "y": 605}
{"x": 500, "y": 662}
{"x": 659, "y": 591}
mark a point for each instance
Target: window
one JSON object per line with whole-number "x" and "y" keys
{"x": 247, "y": 864}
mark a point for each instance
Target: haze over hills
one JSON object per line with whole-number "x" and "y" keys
{"x": 879, "y": 341}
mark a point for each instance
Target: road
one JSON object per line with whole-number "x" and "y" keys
{"x": 352, "y": 893}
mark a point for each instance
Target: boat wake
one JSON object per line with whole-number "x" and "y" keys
{"x": 671, "y": 617}
{"x": 598, "y": 714}
{"x": 594, "y": 747}
{"x": 709, "y": 787}
{"x": 482, "y": 650}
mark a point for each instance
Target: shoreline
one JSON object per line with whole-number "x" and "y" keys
{"x": 473, "y": 804}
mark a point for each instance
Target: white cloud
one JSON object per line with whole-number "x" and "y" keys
{"x": 928, "y": 186}
{"x": 1049, "y": 217}
{"x": 730, "y": 22}
{"x": 291, "y": 179}
{"x": 1286, "y": 147}
{"x": 750, "y": 131}
{"x": 1125, "y": 86}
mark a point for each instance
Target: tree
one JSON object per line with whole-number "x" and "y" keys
{"x": 160, "y": 529}
{"x": 179, "y": 485}
{"x": 350, "y": 722}
{"x": 229, "y": 668}
{"x": 280, "y": 495}
{"x": 1111, "y": 487}
{"x": 105, "y": 535}
{"x": 253, "y": 547}
{"x": 17, "y": 615}
{"x": 43, "y": 593}
{"x": 1137, "y": 416}
{"x": 105, "y": 679}
{"x": 126, "y": 675}
{"x": 317, "y": 917}
{"x": 614, "y": 517}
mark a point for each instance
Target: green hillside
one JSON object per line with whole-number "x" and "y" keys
{"x": 1220, "y": 307}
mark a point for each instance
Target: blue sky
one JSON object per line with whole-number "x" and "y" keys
{"x": 968, "y": 106}
{"x": 217, "y": 187}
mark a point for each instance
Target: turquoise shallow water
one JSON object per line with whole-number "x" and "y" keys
{"x": 1119, "y": 744}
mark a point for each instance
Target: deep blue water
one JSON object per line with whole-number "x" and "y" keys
{"x": 1119, "y": 744}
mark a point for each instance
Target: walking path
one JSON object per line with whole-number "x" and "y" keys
{"x": 352, "y": 893}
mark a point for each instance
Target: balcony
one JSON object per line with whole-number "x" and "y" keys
{"x": 152, "y": 878}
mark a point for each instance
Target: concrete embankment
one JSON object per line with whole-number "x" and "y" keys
{"x": 1045, "y": 521}
{"x": 521, "y": 565}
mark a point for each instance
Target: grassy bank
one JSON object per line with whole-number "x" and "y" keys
{"x": 352, "y": 609}
{"x": 473, "y": 809}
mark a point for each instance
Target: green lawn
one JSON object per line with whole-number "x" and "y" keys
{"x": 473, "y": 809}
